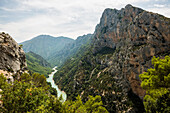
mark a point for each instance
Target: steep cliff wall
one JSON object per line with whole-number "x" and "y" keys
{"x": 138, "y": 35}
{"x": 12, "y": 56}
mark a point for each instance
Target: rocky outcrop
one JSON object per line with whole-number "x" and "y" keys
{"x": 12, "y": 56}
{"x": 138, "y": 35}
{"x": 124, "y": 43}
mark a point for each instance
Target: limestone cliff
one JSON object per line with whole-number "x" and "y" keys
{"x": 137, "y": 35}
{"x": 124, "y": 42}
{"x": 12, "y": 56}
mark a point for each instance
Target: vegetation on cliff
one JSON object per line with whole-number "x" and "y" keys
{"x": 156, "y": 82}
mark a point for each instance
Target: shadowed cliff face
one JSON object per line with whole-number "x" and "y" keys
{"x": 124, "y": 42}
{"x": 12, "y": 56}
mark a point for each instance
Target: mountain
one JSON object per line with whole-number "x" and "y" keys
{"x": 69, "y": 50}
{"x": 12, "y": 57}
{"x": 37, "y": 64}
{"x": 45, "y": 45}
{"x": 124, "y": 42}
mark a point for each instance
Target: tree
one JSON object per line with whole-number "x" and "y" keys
{"x": 29, "y": 94}
{"x": 93, "y": 105}
{"x": 72, "y": 106}
{"x": 39, "y": 80}
{"x": 3, "y": 82}
{"x": 156, "y": 82}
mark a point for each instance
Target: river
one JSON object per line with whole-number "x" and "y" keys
{"x": 59, "y": 92}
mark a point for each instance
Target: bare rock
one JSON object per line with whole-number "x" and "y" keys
{"x": 12, "y": 56}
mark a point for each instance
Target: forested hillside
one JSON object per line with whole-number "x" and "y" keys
{"x": 69, "y": 50}
{"x": 37, "y": 64}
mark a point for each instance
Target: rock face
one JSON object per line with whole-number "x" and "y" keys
{"x": 124, "y": 42}
{"x": 138, "y": 35}
{"x": 12, "y": 56}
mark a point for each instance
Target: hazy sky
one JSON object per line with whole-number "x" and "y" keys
{"x": 25, "y": 19}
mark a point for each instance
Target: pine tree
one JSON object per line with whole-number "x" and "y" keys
{"x": 156, "y": 82}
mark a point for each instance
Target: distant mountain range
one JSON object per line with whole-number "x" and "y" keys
{"x": 55, "y": 49}
{"x": 58, "y": 58}
{"x": 46, "y": 45}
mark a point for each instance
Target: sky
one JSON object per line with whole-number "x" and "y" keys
{"x": 25, "y": 19}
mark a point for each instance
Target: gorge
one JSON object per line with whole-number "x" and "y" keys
{"x": 97, "y": 72}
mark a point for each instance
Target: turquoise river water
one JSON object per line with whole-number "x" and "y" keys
{"x": 50, "y": 79}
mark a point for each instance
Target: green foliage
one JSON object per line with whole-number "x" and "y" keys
{"x": 20, "y": 45}
{"x": 84, "y": 66}
{"x": 93, "y": 105}
{"x": 3, "y": 82}
{"x": 29, "y": 94}
{"x": 37, "y": 64}
{"x": 156, "y": 82}
{"x": 68, "y": 69}
{"x": 39, "y": 80}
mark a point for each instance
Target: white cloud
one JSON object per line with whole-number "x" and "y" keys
{"x": 159, "y": 5}
{"x": 45, "y": 24}
{"x": 63, "y": 17}
{"x": 161, "y": 0}
{"x": 161, "y": 10}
